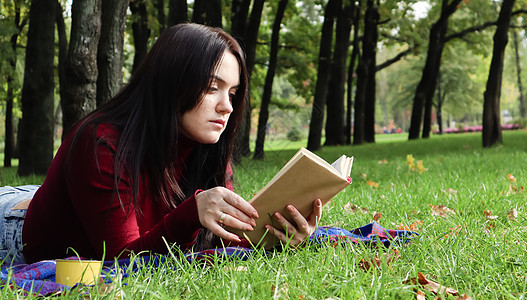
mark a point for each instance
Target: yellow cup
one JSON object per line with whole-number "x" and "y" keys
{"x": 70, "y": 272}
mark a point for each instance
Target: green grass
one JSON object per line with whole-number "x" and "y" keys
{"x": 486, "y": 259}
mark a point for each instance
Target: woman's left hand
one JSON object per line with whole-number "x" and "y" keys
{"x": 295, "y": 235}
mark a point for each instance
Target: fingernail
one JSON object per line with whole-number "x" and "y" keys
{"x": 255, "y": 215}
{"x": 276, "y": 215}
{"x": 249, "y": 228}
{"x": 290, "y": 208}
{"x": 319, "y": 203}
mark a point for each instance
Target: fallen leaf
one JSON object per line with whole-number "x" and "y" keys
{"x": 441, "y": 210}
{"x": 376, "y": 216}
{"x": 372, "y": 183}
{"x": 488, "y": 214}
{"x": 420, "y": 295}
{"x": 384, "y": 161}
{"x": 364, "y": 210}
{"x": 409, "y": 159}
{"x": 412, "y": 227}
{"x": 511, "y": 177}
{"x": 350, "y": 207}
{"x": 431, "y": 286}
{"x": 512, "y": 214}
{"x": 464, "y": 297}
{"x": 377, "y": 261}
{"x": 454, "y": 230}
{"x": 363, "y": 175}
{"x": 420, "y": 167}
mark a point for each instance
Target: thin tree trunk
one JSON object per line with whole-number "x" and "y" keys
{"x": 440, "y": 98}
{"x": 9, "y": 143}
{"x": 335, "y": 96}
{"x": 268, "y": 86}
{"x": 36, "y": 132}
{"x": 491, "y": 106}
{"x": 161, "y": 17}
{"x": 251, "y": 34}
{"x": 369, "y": 53}
{"x": 80, "y": 80}
{"x": 110, "y": 49}
{"x": 63, "y": 53}
{"x": 519, "y": 73}
{"x": 324, "y": 66}
{"x": 140, "y": 31}
{"x": 177, "y": 12}
{"x": 426, "y": 87}
{"x": 351, "y": 72}
{"x": 198, "y": 11}
{"x": 213, "y": 13}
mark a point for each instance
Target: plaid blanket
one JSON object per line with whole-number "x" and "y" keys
{"x": 39, "y": 278}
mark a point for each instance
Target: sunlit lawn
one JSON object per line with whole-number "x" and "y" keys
{"x": 478, "y": 247}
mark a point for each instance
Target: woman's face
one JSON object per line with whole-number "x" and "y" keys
{"x": 206, "y": 122}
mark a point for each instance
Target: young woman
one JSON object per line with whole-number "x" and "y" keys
{"x": 152, "y": 166}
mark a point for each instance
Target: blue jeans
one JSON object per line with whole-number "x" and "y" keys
{"x": 11, "y": 222}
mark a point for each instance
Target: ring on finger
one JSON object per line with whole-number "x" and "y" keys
{"x": 222, "y": 217}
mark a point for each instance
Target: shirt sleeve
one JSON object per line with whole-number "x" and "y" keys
{"x": 110, "y": 218}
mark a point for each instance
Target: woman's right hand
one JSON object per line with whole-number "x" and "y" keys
{"x": 218, "y": 206}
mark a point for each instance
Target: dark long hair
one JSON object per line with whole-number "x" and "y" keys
{"x": 171, "y": 81}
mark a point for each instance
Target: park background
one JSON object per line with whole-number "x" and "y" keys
{"x": 337, "y": 77}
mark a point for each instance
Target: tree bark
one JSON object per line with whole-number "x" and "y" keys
{"x": 198, "y": 12}
{"x": 161, "y": 17}
{"x": 80, "y": 80}
{"x": 251, "y": 34}
{"x": 335, "y": 95}
{"x": 324, "y": 65}
{"x": 523, "y": 114}
{"x": 36, "y": 132}
{"x": 369, "y": 53}
{"x": 63, "y": 53}
{"x": 213, "y": 13}
{"x": 140, "y": 31}
{"x": 177, "y": 12}
{"x": 426, "y": 87}
{"x": 491, "y": 107}
{"x": 351, "y": 72}
{"x": 239, "y": 13}
{"x": 268, "y": 86}
{"x": 110, "y": 49}
{"x": 9, "y": 143}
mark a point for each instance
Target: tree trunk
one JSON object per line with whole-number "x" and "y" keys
{"x": 110, "y": 49}
{"x": 213, "y": 13}
{"x": 491, "y": 106}
{"x": 268, "y": 86}
{"x": 198, "y": 12}
{"x": 63, "y": 53}
{"x": 140, "y": 31}
{"x": 177, "y": 12}
{"x": 426, "y": 87}
{"x": 440, "y": 99}
{"x": 369, "y": 53}
{"x": 335, "y": 95}
{"x": 239, "y": 12}
{"x": 251, "y": 34}
{"x": 324, "y": 65}
{"x": 9, "y": 143}
{"x": 36, "y": 134}
{"x": 351, "y": 72}
{"x": 523, "y": 115}
{"x": 161, "y": 18}
{"x": 80, "y": 80}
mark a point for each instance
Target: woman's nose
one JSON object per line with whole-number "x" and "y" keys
{"x": 225, "y": 104}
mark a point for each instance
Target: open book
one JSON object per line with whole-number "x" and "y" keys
{"x": 303, "y": 179}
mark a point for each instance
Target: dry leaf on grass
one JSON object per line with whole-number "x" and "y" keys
{"x": 420, "y": 295}
{"x": 511, "y": 177}
{"x": 431, "y": 286}
{"x": 350, "y": 207}
{"x": 512, "y": 214}
{"x": 384, "y": 161}
{"x": 376, "y": 216}
{"x": 514, "y": 190}
{"x": 376, "y": 262}
{"x": 454, "y": 231}
{"x": 449, "y": 191}
{"x": 441, "y": 210}
{"x": 412, "y": 227}
{"x": 372, "y": 183}
{"x": 490, "y": 217}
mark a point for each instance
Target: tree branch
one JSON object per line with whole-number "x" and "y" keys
{"x": 394, "y": 59}
{"x": 470, "y": 30}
